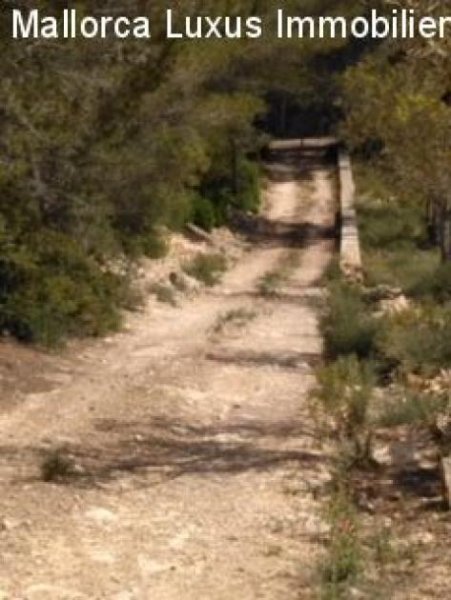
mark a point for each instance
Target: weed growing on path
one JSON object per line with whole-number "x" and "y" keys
{"x": 343, "y": 563}
{"x": 206, "y": 268}
{"x": 57, "y": 465}
{"x": 238, "y": 317}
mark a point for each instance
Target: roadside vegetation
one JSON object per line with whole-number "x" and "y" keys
{"x": 130, "y": 140}
{"x": 386, "y": 376}
{"x": 384, "y": 396}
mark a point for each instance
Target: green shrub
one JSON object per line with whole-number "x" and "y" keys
{"x": 398, "y": 269}
{"x": 52, "y": 289}
{"x": 344, "y": 393}
{"x": 391, "y": 225}
{"x": 151, "y": 244}
{"x": 392, "y": 232}
{"x": 248, "y": 196}
{"x": 57, "y": 466}
{"x": 343, "y": 563}
{"x": 333, "y": 272}
{"x": 203, "y": 213}
{"x": 418, "y": 340}
{"x": 348, "y": 327}
{"x": 237, "y": 187}
{"x": 412, "y": 408}
{"x": 206, "y": 268}
{"x": 154, "y": 245}
{"x": 434, "y": 284}
{"x": 164, "y": 293}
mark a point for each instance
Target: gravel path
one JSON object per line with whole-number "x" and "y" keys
{"x": 195, "y": 432}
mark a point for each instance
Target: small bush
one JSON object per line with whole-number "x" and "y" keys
{"x": 348, "y": 327}
{"x": 381, "y": 543}
{"x": 343, "y": 563}
{"x": 206, "y": 268}
{"x": 435, "y": 284}
{"x": 56, "y": 466}
{"x": 203, "y": 213}
{"x": 391, "y": 225}
{"x": 164, "y": 293}
{"x": 418, "y": 340}
{"x": 248, "y": 186}
{"x": 152, "y": 244}
{"x": 397, "y": 268}
{"x": 333, "y": 272}
{"x": 237, "y": 188}
{"x": 155, "y": 245}
{"x": 344, "y": 393}
{"x": 53, "y": 289}
{"x": 411, "y": 408}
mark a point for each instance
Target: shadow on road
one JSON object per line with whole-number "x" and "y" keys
{"x": 173, "y": 448}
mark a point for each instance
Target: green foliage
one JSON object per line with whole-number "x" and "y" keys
{"x": 164, "y": 293}
{"x": 381, "y": 544}
{"x": 121, "y": 140}
{"x": 390, "y": 225}
{"x": 203, "y": 214}
{"x": 397, "y": 115}
{"x": 233, "y": 184}
{"x": 344, "y": 560}
{"x": 418, "y": 340}
{"x": 124, "y": 136}
{"x": 154, "y": 245}
{"x": 206, "y": 268}
{"x": 392, "y": 232}
{"x": 435, "y": 284}
{"x": 397, "y": 269}
{"x": 50, "y": 289}
{"x": 348, "y": 327}
{"x": 248, "y": 186}
{"x": 344, "y": 393}
{"x": 412, "y": 408}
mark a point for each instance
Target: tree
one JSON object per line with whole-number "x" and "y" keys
{"x": 398, "y": 109}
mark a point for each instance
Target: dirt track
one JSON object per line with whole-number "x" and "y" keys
{"x": 198, "y": 443}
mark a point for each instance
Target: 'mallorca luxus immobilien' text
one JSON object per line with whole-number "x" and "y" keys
{"x": 70, "y": 26}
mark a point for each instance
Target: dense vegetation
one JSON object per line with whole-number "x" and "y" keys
{"x": 106, "y": 143}
{"x": 388, "y": 338}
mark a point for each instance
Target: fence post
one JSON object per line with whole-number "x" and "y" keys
{"x": 350, "y": 253}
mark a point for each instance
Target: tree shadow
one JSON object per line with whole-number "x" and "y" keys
{"x": 291, "y": 361}
{"x": 171, "y": 448}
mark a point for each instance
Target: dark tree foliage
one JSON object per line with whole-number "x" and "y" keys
{"x": 104, "y": 143}
{"x": 397, "y": 112}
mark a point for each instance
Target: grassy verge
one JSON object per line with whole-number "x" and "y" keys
{"x": 387, "y": 344}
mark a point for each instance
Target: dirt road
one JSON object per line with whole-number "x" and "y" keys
{"x": 191, "y": 434}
